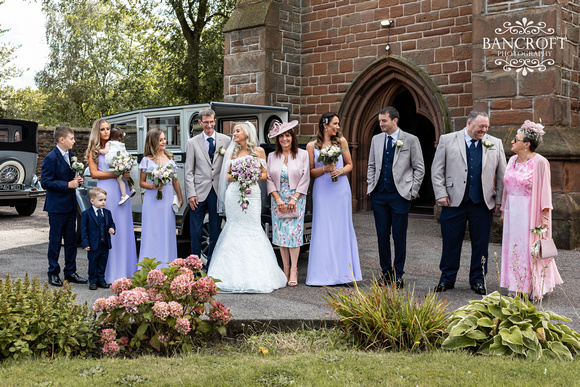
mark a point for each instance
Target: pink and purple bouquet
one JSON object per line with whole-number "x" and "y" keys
{"x": 76, "y": 166}
{"x": 246, "y": 170}
{"x": 161, "y": 175}
{"x": 123, "y": 163}
{"x": 329, "y": 155}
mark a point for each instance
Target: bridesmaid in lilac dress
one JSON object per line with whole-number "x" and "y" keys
{"x": 158, "y": 239}
{"x": 333, "y": 255}
{"x": 123, "y": 255}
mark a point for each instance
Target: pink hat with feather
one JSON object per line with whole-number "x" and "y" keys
{"x": 279, "y": 128}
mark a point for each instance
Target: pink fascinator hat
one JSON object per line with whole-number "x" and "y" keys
{"x": 280, "y": 128}
{"x": 538, "y": 128}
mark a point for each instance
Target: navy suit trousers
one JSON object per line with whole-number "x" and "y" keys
{"x": 453, "y": 224}
{"x": 391, "y": 211}
{"x": 98, "y": 263}
{"x": 62, "y": 226}
{"x": 209, "y": 205}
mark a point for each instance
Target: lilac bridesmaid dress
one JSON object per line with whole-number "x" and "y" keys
{"x": 123, "y": 254}
{"x": 158, "y": 238}
{"x": 333, "y": 255}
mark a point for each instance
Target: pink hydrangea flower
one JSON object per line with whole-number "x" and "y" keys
{"x": 99, "y": 305}
{"x": 219, "y": 314}
{"x": 163, "y": 339}
{"x": 182, "y": 285}
{"x": 194, "y": 262}
{"x": 121, "y": 285}
{"x": 155, "y": 294}
{"x": 177, "y": 262}
{"x": 182, "y": 326}
{"x": 203, "y": 289}
{"x": 108, "y": 335}
{"x": 156, "y": 278}
{"x": 132, "y": 299}
{"x": 161, "y": 310}
{"x": 111, "y": 348}
{"x": 175, "y": 309}
{"x": 112, "y": 303}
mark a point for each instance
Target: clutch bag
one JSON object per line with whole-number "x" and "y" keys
{"x": 286, "y": 215}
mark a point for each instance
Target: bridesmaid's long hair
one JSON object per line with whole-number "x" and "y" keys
{"x": 325, "y": 120}
{"x": 251, "y": 140}
{"x": 95, "y": 141}
{"x": 152, "y": 145}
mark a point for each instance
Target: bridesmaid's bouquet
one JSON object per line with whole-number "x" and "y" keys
{"x": 329, "y": 155}
{"x": 123, "y": 163}
{"x": 246, "y": 170}
{"x": 161, "y": 175}
{"x": 76, "y": 166}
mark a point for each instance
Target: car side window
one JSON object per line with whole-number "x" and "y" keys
{"x": 170, "y": 125}
{"x": 130, "y": 129}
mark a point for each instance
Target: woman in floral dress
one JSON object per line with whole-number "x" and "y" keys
{"x": 288, "y": 180}
{"x": 526, "y": 204}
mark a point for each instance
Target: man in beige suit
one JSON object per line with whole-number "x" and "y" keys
{"x": 202, "y": 168}
{"x": 394, "y": 175}
{"x": 467, "y": 175}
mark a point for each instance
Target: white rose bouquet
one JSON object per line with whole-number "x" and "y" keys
{"x": 329, "y": 155}
{"x": 123, "y": 163}
{"x": 76, "y": 166}
{"x": 246, "y": 170}
{"x": 161, "y": 175}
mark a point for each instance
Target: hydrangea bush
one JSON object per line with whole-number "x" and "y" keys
{"x": 161, "y": 309}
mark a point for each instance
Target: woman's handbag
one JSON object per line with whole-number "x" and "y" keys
{"x": 544, "y": 248}
{"x": 286, "y": 215}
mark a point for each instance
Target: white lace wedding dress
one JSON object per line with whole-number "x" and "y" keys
{"x": 243, "y": 258}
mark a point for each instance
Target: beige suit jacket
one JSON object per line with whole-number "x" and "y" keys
{"x": 408, "y": 165}
{"x": 449, "y": 169}
{"x": 200, "y": 173}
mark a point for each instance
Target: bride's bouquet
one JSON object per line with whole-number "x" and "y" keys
{"x": 161, "y": 175}
{"x": 123, "y": 163}
{"x": 329, "y": 155}
{"x": 246, "y": 170}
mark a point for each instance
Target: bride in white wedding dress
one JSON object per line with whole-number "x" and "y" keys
{"x": 243, "y": 258}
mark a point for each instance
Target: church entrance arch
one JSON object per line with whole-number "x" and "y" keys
{"x": 392, "y": 81}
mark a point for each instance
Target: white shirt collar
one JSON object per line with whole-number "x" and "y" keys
{"x": 205, "y": 136}
{"x": 468, "y": 138}
{"x": 62, "y": 152}
{"x": 97, "y": 210}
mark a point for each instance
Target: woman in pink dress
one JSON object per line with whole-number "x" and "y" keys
{"x": 526, "y": 204}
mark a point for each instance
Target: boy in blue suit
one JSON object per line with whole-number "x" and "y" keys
{"x": 60, "y": 183}
{"x": 97, "y": 226}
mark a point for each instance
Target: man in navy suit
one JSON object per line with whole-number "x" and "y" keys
{"x": 60, "y": 183}
{"x": 394, "y": 175}
{"x": 97, "y": 226}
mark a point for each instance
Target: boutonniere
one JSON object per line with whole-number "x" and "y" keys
{"x": 76, "y": 166}
{"x": 221, "y": 151}
{"x": 487, "y": 145}
{"x": 399, "y": 144}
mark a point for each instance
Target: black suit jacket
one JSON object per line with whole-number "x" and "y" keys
{"x": 90, "y": 228}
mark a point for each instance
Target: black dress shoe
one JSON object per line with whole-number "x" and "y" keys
{"x": 441, "y": 287}
{"x": 400, "y": 283}
{"x": 92, "y": 286}
{"x": 478, "y": 288}
{"x": 103, "y": 285}
{"x": 74, "y": 277}
{"x": 54, "y": 280}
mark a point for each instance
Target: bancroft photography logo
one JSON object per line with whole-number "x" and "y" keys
{"x": 524, "y": 46}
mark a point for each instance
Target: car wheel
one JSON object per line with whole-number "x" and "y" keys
{"x": 12, "y": 172}
{"x": 27, "y": 209}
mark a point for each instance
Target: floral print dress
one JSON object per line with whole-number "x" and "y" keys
{"x": 287, "y": 232}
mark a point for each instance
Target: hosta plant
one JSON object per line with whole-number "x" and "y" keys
{"x": 384, "y": 317}
{"x": 160, "y": 310}
{"x": 500, "y": 325}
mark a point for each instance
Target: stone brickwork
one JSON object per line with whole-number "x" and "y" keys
{"x": 46, "y": 144}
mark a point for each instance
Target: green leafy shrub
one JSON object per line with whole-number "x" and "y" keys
{"x": 159, "y": 310}
{"x": 389, "y": 318}
{"x": 500, "y": 325}
{"x": 37, "y": 321}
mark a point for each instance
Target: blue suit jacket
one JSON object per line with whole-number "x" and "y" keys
{"x": 90, "y": 228}
{"x": 55, "y": 175}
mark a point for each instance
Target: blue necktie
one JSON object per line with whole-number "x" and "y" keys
{"x": 101, "y": 219}
{"x": 211, "y": 149}
{"x": 472, "y": 146}
{"x": 390, "y": 144}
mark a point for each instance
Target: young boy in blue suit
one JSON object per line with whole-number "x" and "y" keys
{"x": 97, "y": 226}
{"x": 59, "y": 180}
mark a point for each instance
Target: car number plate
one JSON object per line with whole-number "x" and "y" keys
{"x": 11, "y": 187}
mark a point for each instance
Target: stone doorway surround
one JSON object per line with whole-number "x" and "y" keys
{"x": 373, "y": 89}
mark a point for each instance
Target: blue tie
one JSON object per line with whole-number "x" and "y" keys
{"x": 472, "y": 146}
{"x": 211, "y": 149}
{"x": 390, "y": 144}
{"x": 101, "y": 219}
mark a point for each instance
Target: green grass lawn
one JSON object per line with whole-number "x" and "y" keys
{"x": 304, "y": 358}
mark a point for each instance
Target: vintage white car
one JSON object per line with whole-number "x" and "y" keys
{"x": 19, "y": 185}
